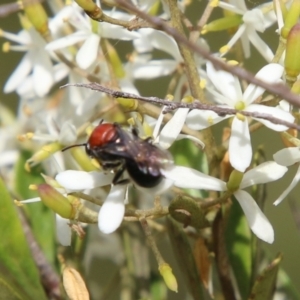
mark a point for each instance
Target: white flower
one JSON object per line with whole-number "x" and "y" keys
{"x": 35, "y": 65}
{"x": 253, "y": 20}
{"x": 88, "y": 32}
{"x": 186, "y": 178}
{"x": 112, "y": 212}
{"x": 230, "y": 95}
{"x": 288, "y": 157}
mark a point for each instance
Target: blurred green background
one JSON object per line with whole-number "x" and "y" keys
{"x": 287, "y": 237}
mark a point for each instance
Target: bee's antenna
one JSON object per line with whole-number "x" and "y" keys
{"x": 76, "y": 145}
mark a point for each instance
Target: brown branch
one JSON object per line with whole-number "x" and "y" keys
{"x": 221, "y": 111}
{"x": 278, "y": 89}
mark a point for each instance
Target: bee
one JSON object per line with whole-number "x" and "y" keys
{"x": 118, "y": 150}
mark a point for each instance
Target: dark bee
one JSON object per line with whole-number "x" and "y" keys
{"x": 118, "y": 150}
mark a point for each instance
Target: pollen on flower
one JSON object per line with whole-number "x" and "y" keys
{"x": 214, "y": 3}
{"x": 187, "y": 99}
{"x": 240, "y": 105}
{"x": 25, "y": 137}
{"x": 224, "y": 49}
{"x": 6, "y": 47}
{"x": 170, "y": 97}
{"x": 210, "y": 120}
{"x": 18, "y": 203}
{"x": 240, "y": 117}
{"x": 233, "y": 62}
{"x": 33, "y": 187}
{"x": 202, "y": 84}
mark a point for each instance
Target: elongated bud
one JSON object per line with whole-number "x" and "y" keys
{"x": 115, "y": 60}
{"x": 56, "y": 201}
{"x": 38, "y": 17}
{"x": 234, "y": 181}
{"x": 292, "y": 58}
{"x": 223, "y": 24}
{"x": 82, "y": 159}
{"x": 42, "y": 154}
{"x": 168, "y": 276}
{"x": 291, "y": 18}
{"x": 90, "y": 8}
{"x": 74, "y": 284}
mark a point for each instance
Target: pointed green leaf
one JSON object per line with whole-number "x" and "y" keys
{"x": 17, "y": 265}
{"x": 264, "y": 286}
{"x": 185, "y": 258}
{"x": 238, "y": 244}
{"x": 41, "y": 218}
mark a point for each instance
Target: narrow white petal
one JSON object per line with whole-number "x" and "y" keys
{"x": 272, "y": 112}
{"x": 240, "y": 149}
{"x": 172, "y": 129}
{"x": 112, "y": 211}
{"x": 261, "y": 46}
{"x": 117, "y": 32}
{"x": 263, "y": 173}
{"x": 63, "y": 231}
{"x": 19, "y": 74}
{"x": 42, "y": 73}
{"x": 257, "y": 221}
{"x": 201, "y": 119}
{"x": 153, "y": 69}
{"x": 158, "y": 124}
{"x": 166, "y": 43}
{"x": 67, "y": 41}
{"x": 184, "y": 177}
{"x": 289, "y": 188}
{"x": 270, "y": 73}
{"x": 88, "y": 52}
{"x": 226, "y": 83}
{"x": 287, "y": 156}
{"x": 80, "y": 180}
{"x": 255, "y": 18}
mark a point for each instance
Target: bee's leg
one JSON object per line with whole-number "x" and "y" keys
{"x": 135, "y": 131}
{"x": 119, "y": 173}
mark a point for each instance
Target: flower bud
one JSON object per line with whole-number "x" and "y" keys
{"x": 82, "y": 159}
{"x": 89, "y": 6}
{"x": 292, "y": 59}
{"x": 169, "y": 278}
{"x": 188, "y": 212}
{"x": 291, "y": 18}
{"x": 115, "y": 60}
{"x": 223, "y": 24}
{"x": 42, "y": 154}
{"x": 56, "y": 201}
{"x": 235, "y": 180}
{"x": 38, "y": 17}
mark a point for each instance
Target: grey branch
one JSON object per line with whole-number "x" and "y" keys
{"x": 170, "y": 105}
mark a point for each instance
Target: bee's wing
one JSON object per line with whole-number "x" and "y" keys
{"x": 149, "y": 158}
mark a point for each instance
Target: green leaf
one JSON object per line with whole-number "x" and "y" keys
{"x": 264, "y": 285}
{"x": 238, "y": 244}
{"x": 19, "y": 277}
{"x": 185, "y": 258}
{"x": 40, "y": 217}
{"x": 185, "y": 153}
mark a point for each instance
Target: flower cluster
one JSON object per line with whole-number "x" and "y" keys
{"x": 82, "y": 43}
